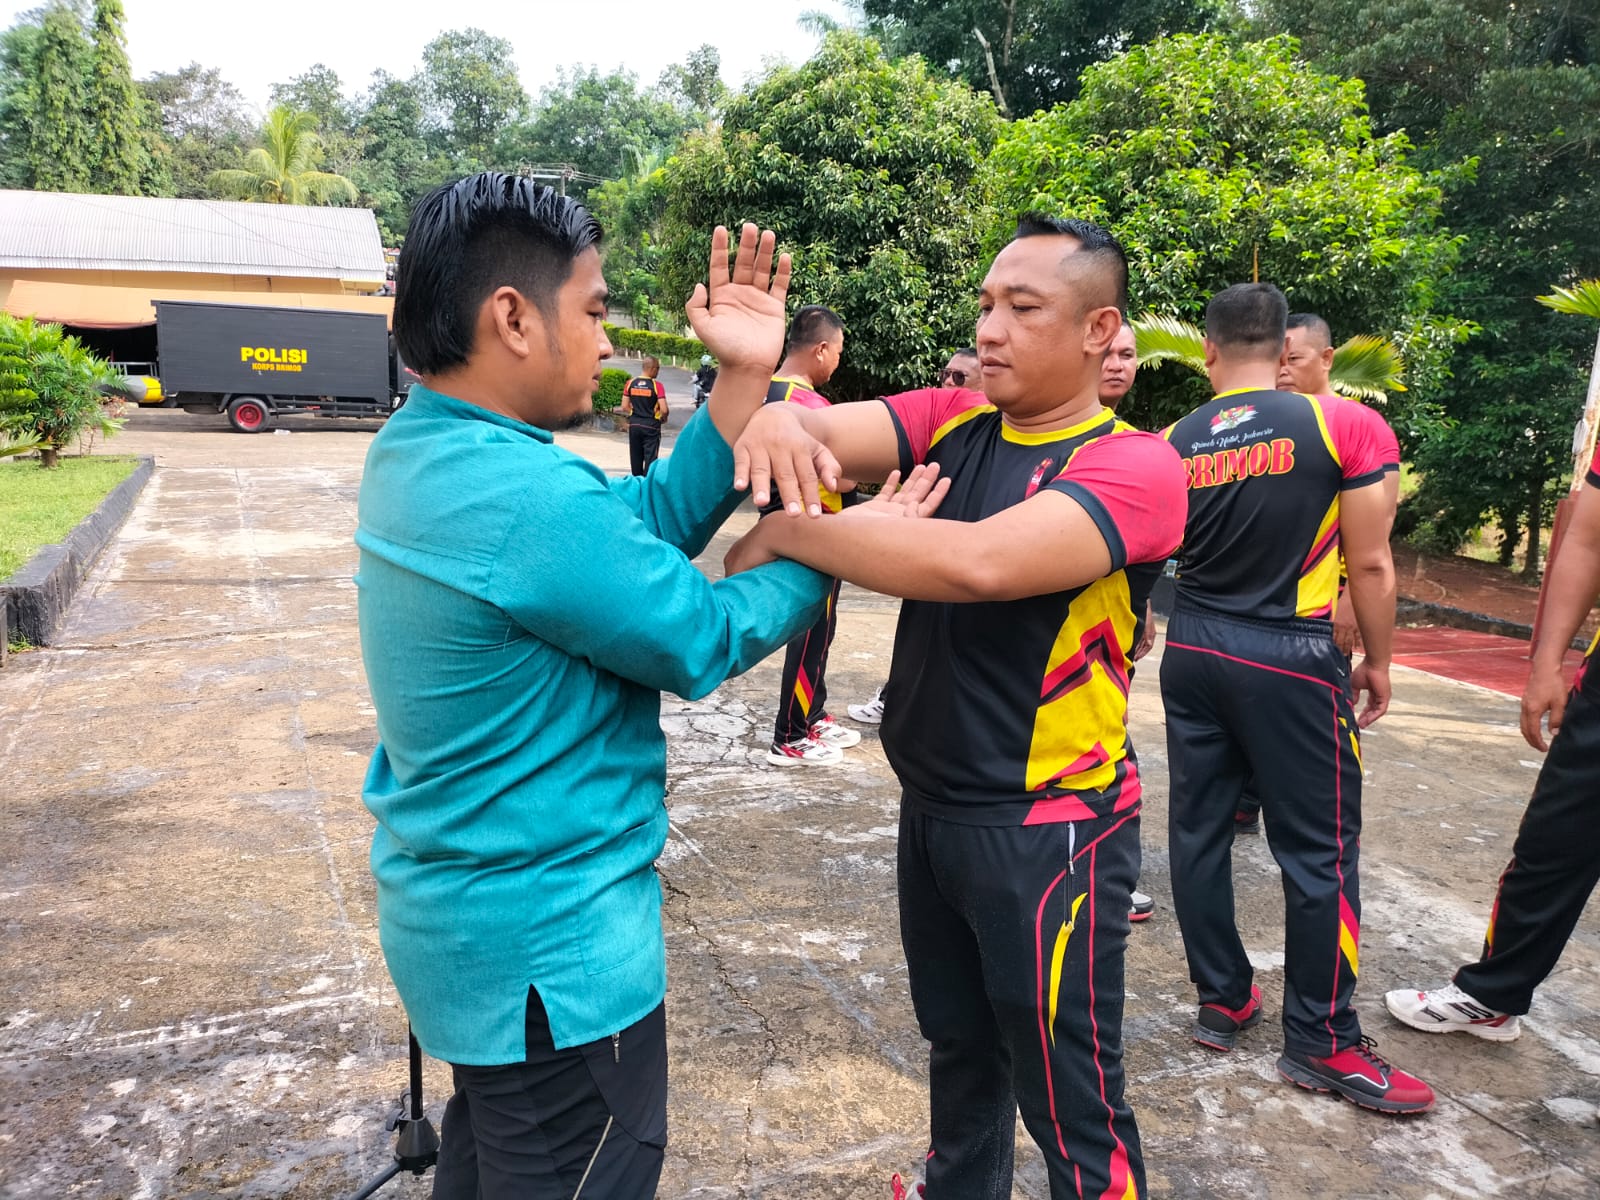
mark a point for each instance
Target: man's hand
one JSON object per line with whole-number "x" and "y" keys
{"x": 920, "y": 496}
{"x": 1374, "y": 681}
{"x": 776, "y": 448}
{"x": 1545, "y": 696}
{"x": 752, "y": 550}
{"x": 1147, "y": 639}
{"x": 739, "y": 314}
{"x": 1344, "y": 627}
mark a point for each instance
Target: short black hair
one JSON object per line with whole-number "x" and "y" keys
{"x": 964, "y": 352}
{"x": 1249, "y": 318}
{"x": 1311, "y": 321}
{"x": 470, "y": 237}
{"x": 1097, "y": 248}
{"x": 812, "y": 324}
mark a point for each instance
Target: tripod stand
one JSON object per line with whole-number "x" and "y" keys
{"x": 416, "y": 1146}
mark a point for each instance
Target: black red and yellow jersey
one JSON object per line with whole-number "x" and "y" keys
{"x": 783, "y": 390}
{"x": 1265, "y": 470}
{"x": 643, "y": 394}
{"x": 1015, "y": 712}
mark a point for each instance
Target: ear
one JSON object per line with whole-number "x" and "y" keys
{"x": 1211, "y": 353}
{"x": 1327, "y": 358}
{"x": 1101, "y": 330}
{"x": 514, "y": 321}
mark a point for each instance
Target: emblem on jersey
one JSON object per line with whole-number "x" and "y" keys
{"x": 1038, "y": 477}
{"x": 1232, "y": 418}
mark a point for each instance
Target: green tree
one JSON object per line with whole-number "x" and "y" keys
{"x": 472, "y": 90}
{"x": 318, "y": 90}
{"x": 603, "y": 125}
{"x": 1215, "y": 163}
{"x": 283, "y": 169}
{"x": 696, "y": 83}
{"x": 50, "y": 387}
{"x": 1516, "y": 89}
{"x": 1028, "y": 53}
{"x": 631, "y": 210}
{"x": 397, "y": 166}
{"x": 51, "y": 106}
{"x": 202, "y": 124}
{"x": 871, "y": 173}
{"x": 119, "y": 150}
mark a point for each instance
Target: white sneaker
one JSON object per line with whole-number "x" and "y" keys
{"x": 804, "y": 752}
{"x": 1140, "y": 907}
{"x": 870, "y": 713}
{"x": 830, "y": 733}
{"x": 1448, "y": 1009}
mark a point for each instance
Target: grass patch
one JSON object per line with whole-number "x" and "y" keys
{"x": 39, "y": 508}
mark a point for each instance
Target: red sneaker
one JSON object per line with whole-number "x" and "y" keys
{"x": 1361, "y": 1076}
{"x": 1217, "y": 1028}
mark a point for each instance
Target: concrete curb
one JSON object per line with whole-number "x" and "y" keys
{"x": 34, "y": 601}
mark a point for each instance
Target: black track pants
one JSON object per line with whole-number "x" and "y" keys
{"x": 1010, "y": 1020}
{"x": 1555, "y": 864}
{"x": 644, "y": 445}
{"x": 804, "y": 696}
{"x": 1267, "y": 700}
{"x": 585, "y": 1123}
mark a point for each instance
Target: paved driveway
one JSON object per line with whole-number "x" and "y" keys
{"x": 194, "y": 1003}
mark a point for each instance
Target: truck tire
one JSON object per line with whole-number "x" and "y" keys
{"x": 248, "y": 414}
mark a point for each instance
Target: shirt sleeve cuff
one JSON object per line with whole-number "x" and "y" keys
{"x": 902, "y": 441}
{"x": 1361, "y": 481}
{"x": 1101, "y": 517}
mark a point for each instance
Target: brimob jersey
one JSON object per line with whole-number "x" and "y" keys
{"x": 1015, "y": 712}
{"x": 1265, "y": 471}
{"x": 783, "y": 390}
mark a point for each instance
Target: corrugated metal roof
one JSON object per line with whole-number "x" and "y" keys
{"x": 41, "y": 230}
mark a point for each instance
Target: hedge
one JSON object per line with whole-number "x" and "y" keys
{"x": 662, "y": 345}
{"x": 608, "y": 397}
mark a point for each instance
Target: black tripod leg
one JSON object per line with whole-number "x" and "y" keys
{"x": 416, "y": 1148}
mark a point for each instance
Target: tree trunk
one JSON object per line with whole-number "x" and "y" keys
{"x": 1530, "y": 564}
{"x": 48, "y": 456}
{"x": 1509, "y": 529}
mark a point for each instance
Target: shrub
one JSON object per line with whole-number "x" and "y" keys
{"x": 50, "y": 388}
{"x": 608, "y": 396}
{"x": 662, "y": 345}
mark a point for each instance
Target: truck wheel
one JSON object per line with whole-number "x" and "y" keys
{"x": 248, "y": 415}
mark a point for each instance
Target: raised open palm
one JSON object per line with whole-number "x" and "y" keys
{"x": 739, "y": 316}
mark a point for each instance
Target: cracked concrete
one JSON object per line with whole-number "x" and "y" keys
{"x": 195, "y": 1003}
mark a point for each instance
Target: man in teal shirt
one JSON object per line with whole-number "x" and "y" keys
{"x": 519, "y": 777}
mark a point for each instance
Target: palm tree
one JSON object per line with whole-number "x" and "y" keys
{"x": 1364, "y": 367}
{"x": 283, "y": 169}
{"x": 1582, "y": 300}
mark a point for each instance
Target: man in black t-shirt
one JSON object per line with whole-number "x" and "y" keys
{"x": 644, "y": 403}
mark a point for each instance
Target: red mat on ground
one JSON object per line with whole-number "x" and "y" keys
{"x": 1498, "y": 663}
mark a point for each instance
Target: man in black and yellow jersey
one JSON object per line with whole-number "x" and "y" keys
{"x": 1006, "y": 708}
{"x": 1254, "y": 687}
{"x": 805, "y": 733}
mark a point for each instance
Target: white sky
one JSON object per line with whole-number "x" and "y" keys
{"x": 256, "y": 46}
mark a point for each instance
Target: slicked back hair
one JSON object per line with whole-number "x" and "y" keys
{"x": 1248, "y": 320}
{"x": 466, "y": 239}
{"x": 964, "y": 352}
{"x": 1099, "y": 255}
{"x": 1315, "y": 325}
{"x": 812, "y": 324}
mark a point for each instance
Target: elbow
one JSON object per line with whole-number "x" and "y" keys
{"x": 1376, "y": 566}
{"x": 978, "y": 577}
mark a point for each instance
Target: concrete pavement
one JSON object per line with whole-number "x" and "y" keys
{"x": 195, "y": 1003}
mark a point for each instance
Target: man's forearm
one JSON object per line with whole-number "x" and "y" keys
{"x": 918, "y": 560}
{"x": 737, "y": 394}
{"x": 1371, "y": 593}
{"x": 1573, "y": 585}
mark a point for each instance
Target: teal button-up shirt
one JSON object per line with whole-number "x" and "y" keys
{"x": 519, "y": 778}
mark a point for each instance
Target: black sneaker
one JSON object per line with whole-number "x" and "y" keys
{"x": 1218, "y": 1028}
{"x": 1361, "y": 1076}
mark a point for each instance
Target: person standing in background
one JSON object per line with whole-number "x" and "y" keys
{"x": 644, "y": 403}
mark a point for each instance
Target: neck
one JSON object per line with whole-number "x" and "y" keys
{"x": 1058, "y": 416}
{"x": 1252, "y": 374}
{"x": 476, "y": 388}
{"x": 790, "y": 369}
